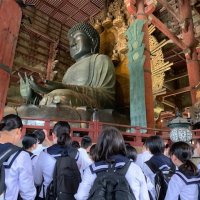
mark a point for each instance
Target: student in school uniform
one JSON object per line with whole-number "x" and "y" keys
{"x": 158, "y": 160}
{"x": 41, "y": 137}
{"x": 86, "y": 142}
{"x": 183, "y": 184}
{"x": 29, "y": 143}
{"x": 47, "y": 158}
{"x": 18, "y": 168}
{"x": 111, "y": 146}
{"x": 145, "y": 155}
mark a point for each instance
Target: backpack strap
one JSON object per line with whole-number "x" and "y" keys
{"x": 125, "y": 168}
{"x": 4, "y": 156}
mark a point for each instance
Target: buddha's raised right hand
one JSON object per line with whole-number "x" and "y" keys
{"x": 25, "y": 89}
{"x": 29, "y": 90}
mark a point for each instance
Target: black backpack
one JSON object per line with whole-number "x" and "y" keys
{"x": 66, "y": 178}
{"x": 111, "y": 184}
{"x": 163, "y": 175}
{"x": 4, "y": 155}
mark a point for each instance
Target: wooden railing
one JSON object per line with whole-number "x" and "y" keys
{"x": 132, "y": 134}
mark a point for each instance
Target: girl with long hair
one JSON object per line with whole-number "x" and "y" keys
{"x": 111, "y": 150}
{"x": 48, "y": 157}
{"x": 184, "y": 183}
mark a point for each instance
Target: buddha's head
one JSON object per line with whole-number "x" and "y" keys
{"x": 83, "y": 40}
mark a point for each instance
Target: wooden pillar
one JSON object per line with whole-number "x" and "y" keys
{"x": 147, "y": 66}
{"x": 10, "y": 20}
{"x": 50, "y": 61}
{"x": 191, "y": 43}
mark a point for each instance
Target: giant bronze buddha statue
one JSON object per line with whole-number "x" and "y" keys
{"x": 89, "y": 82}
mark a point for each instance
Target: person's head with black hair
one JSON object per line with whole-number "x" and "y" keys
{"x": 110, "y": 142}
{"x": 10, "y": 129}
{"x": 29, "y": 142}
{"x": 86, "y": 142}
{"x": 131, "y": 152}
{"x": 40, "y": 135}
{"x": 155, "y": 144}
{"x": 76, "y": 144}
{"x": 181, "y": 153}
{"x": 60, "y": 132}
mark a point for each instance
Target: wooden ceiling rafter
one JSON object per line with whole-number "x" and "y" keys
{"x": 170, "y": 9}
{"x": 177, "y": 92}
{"x": 29, "y": 48}
{"x": 171, "y": 57}
{"x": 32, "y": 31}
{"x": 178, "y": 54}
{"x": 27, "y": 40}
{"x": 164, "y": 29}
{"x": 179, "y": 76}
{"x": 31, "y": 56}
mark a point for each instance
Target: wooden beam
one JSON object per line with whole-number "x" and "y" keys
{"x": 178, "y": 54}
{"x": 31, "y": 56}
{"x": 164, "y": 29}
{"x": 176, "y": 77}
{"x": 189, "y": 39}
{"x": 170, "y": 9}
{"x": 176, "y": 92}
{"x": 174, "y": 55}
{"x": 168, "y": 103}
{"x": 37, "y": 33}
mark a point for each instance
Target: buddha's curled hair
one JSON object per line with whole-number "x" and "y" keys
{"x": 90, "y": 31}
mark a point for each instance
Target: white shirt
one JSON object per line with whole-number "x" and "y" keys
{"x": 151, "y": 180}
{"x": 34, "y": 164}
{"x": 142, "y": 158}
{"x": 38, "y": 149}
{"x": 198, "y": 166}
{"x": 134, "y": 176}
{"x": 86, "y": 160}
{"x": 19, "y": 178}
{"x": 140, "y": 161}
{"x": 178, "y": 187}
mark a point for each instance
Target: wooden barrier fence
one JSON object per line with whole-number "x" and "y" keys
{"x": 132, "y": 134}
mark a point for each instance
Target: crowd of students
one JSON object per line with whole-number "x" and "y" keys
{"x": 33, "y": 165}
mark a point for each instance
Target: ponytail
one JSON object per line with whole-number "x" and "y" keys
{"x": 62, "y": 129}
{"x": 63, "y": 139}
{"x": 189, "y": 166}
{"x": 183, "y": 151}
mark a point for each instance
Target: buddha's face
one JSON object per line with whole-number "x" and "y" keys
{"x": 80, "y": 45}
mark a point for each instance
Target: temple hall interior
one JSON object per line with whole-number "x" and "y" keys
{"x": 154, "y": 46}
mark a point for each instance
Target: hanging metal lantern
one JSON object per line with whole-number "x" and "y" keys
{"x": 180, "y": 130}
